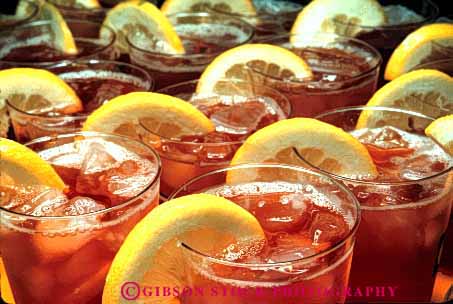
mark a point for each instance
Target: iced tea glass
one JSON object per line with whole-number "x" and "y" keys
{"x": 299, "y": 210}
{"x": 345, "y": 73}
{"x": 405, "y": 211}
{"x": 204, "y": 35}
{"x": 29, "y": 10}
{"x": 94, "y": 81}
{"x": 31, "y": 45}
{"x": 401, "y": 23}
{"x": 446, "y": 264}
{"x": 237, "y": 109}
{"x": 57, "y": 246}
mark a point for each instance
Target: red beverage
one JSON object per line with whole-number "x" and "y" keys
{"x": 95, "y": 82}
{"x": 405, "y": 210}
{"x": 204, "y": 36}
{"x": 47, "y": 53}
{"x": 57, "y": 245}
{"x": 345, "y": 73}
{"x": 235, "y": 118}
{"x": 309, "y": 225}
{"x": 446, "y": 263}
{"x": 33, "y": 44}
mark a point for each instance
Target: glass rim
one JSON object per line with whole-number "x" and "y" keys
{"x": 370, "y": 182}
{"x": 216, "y": 144}
{"x": 150, "y": 84}
{"x": 258, "y": 17}
{"x": 428, "y": 65}
{"x": 315, "y": 37}
{"x": 84, "y": 9}
{"x": 20, "y": 22}
{"x": 433, "y": 13}
{"x": 38, "y": 23}
{"x": 93, "y": 134}
{"x": 322, "y": 253}
{"x": 263, "y": 85}
{"x": 192, "y": 56}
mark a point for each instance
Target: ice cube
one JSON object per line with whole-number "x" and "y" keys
{"x": 399, "y": 14}
{"x": 241, "y": 118}
{"x": 386, "y": 137}
{"x": 113, "y": 172}
{"x": 58, "y": 238}
{"x": 420, "y": 167}
{"x": 79, "y": 205}
{"x": 328, "y": 226}
{"x": 97, "y": 159}
{"x": 281, "y": 212}
{"x": 290, "y": 247}
{"x": 33, "y": 200}
{"x": 277, "y": 7}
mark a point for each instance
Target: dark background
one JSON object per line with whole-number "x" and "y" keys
{"x": 446, "y": 6}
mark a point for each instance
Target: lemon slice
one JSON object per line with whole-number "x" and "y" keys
{"x": 88, "y": 4}
{"x": 428, "y": 43}
{"x": 24, "y": 166}
{"x": 164, "y": 115}
{"x": 61, "y": 34}
{"x": 321, "y": 144}
{"x": 341, "y": 17}
{"x": 151, "y": 255}
{"x": 5, "y": 288}
{"x": 265, "y": 57}
{"x": 441, "y": 130}
{"x": 245, "y": 7}
{"x": 4, "y": 119}
{"x": 147, "y": 19}
{"x": 429, "y": 92}
{"x": 36, "y": 89}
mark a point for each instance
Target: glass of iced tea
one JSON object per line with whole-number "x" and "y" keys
{"x": 345, "y": 72}
{"x": 310, "y": 223}
{"x": 25, "y": 12}
{"x": 204, "y": 35}
{"x": 403, "y": 17}
{"x": 57, "y": 245}
{"x": 32, "y": 44}
{"x": 236, "y": 112}
{"x": 94, "y": 81}
{"x": 405, "y": 210}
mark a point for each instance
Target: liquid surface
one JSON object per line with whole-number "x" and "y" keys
{"x": 45, "y": 52}
{"x": 94, "y": 88}
{"x": 99, "y": 174}
{"x": 332, "y": 67}
{"x": 401, "y": 156}
{"x": 299, "y": 221}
